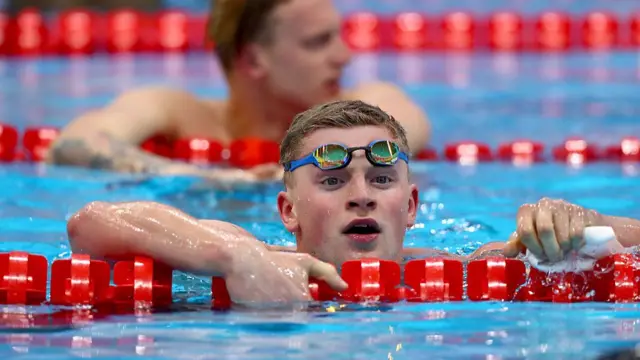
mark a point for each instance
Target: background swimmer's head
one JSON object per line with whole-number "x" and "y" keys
{"x": 319, "y": 207}
{"x": 293, "y": 48}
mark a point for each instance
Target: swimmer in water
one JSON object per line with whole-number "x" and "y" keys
{"x": 347, "y": 195}
{"x": 279, "y": 57}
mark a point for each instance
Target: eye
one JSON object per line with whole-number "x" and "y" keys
{"x": 331, "y": 181}
{"x": 382, "y": 179}
{"x": 318, "y": 40}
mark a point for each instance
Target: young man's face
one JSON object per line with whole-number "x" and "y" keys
{"x": 322, "y": 207}
{"x": 305, "y": 60}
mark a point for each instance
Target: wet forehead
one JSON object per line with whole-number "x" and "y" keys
{"x": 356, "y": 136}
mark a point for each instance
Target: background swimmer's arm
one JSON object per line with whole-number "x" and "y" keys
{"x": 394, "y": 101}
{"x": 109, "y": 138}
{"x": 114, "y": 231}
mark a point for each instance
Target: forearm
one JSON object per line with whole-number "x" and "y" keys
{"x": 114, "y": 231}
{"x": 627, "y": 230}
{"x": 105, "y": 152}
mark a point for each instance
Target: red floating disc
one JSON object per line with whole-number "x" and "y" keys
{"x": 76, "y": 32}
{"x": 434, "y": 279}
{"x": 600, "y": 30}
{"x": 371, "y": 280}
{"x": 159, "y": 145}
{"x": 250, "y": 152}
{"x": 615, "y": 279}
{"x": 521, "y": 151}
{"x": 428, "y": 153}
{"x": 198, "y": 150}
{"x": 467, "y": 152}
{"x": 575, "y": 151}
{"x": 8, "y": 142}
{"x": 362, "y": 31}
{"x": 553, "y": 31}
{"x": 142, "y": 283}
{"x": 125, "y": 31}
{"x": 6, "y": 33}
{"x": 80, "y": 281}
{"x": 172, "y": 31}
{"x": 23, "y": 278}
{"x": 505, "y": 31}
{"x": 627, "y": 150}
{"x": 556, "y": 287}
{"x": 458, "y": 31}
{"x": 410, "y": 31}
{"x": 31, "y": 33}
{"x": 494, "y": 278}
{"x": 37, "y": 140}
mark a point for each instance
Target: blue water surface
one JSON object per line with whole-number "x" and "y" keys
{"x": 486, "y": 97}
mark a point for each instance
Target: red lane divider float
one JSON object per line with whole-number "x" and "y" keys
{"x": 8, "y": 143}
{"x": 83, "y": 32}
{"x": 23, "y": 278}
{"x": 34, "y": 143}
{"x": 142, "y": 283}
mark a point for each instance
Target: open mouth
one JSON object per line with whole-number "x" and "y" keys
{"x": 362, "y": 227}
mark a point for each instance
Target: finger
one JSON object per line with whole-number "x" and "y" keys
{"x": 527, "y": 233}
{"x": 561, "y": 223}
{"x": 576, "y": 229}
{"x": 513, "y": 247}
{"x": 547, "y": 233}
{"x": 325, "y": 272}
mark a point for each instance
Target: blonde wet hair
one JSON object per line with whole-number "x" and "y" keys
{"x": 340, "y": 114}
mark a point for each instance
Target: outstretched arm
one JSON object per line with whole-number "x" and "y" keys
{"x": 109, "y": 138}
{"x": 164, "y": 233}
{"x": 252, "y": 272}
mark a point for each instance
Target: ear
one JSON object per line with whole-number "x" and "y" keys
{"x": 253, "y": 61}
{"x": 287, "y": 212}
{"x": 412, "y": 210}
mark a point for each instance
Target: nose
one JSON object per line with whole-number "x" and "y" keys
{"x": 359, "y": 197}
{"x": 342, "y": 55}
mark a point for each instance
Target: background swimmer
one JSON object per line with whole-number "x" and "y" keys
{"x": 279, "y": 57}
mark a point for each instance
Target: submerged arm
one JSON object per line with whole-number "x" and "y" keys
{"x": 109, "y": 138}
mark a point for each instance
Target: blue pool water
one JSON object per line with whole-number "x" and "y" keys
{"x": 485, "y": 97}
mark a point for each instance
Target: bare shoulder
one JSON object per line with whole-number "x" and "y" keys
{"x": 161, "y": 98}
{"x": 189, "y": 114}
{"x": 371, "y": 91}
{"x": 393, "y": 100}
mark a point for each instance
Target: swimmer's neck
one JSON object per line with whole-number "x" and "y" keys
{"x": 251, "y": 111}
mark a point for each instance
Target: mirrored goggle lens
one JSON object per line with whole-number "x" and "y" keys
{"x": 330, "y": 156}
{"x": 385, "y": 152}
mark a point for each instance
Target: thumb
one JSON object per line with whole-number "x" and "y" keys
{"x": 513, "y": 247}
{"x": 323, "y": 271}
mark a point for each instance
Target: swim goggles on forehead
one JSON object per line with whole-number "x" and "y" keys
{"x": 337, "y": 156}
